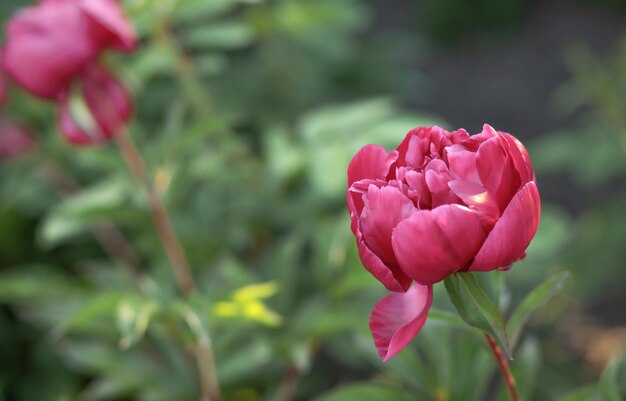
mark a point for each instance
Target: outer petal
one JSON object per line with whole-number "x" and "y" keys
{"x": 384, "y": 208}
{"x": 113, "y": 29}
{"x": 371, "y": 162}
{"x": 496, "y": 170}
{"x": 108, "y": 101}
{"x": 521, "y": 159}
{"x": 433, "y": 244}
{"x": 512, "y": 233}
{"x": 392, "y": 277}
{"x": 46, "y": 47}
{"x": 397, "y": 318}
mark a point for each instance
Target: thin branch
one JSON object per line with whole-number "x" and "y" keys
{"x": 289, "y": 384}
{"x": 160, "y": 217}
{"x": 203, "y": 351}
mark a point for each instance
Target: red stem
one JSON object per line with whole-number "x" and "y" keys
{"x": 160, "y": 218}
{"x": 509, "y": 380}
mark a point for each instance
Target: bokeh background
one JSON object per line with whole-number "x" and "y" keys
{"x": 247, "y": 112}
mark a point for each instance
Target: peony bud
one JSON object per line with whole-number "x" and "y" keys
{"x": 440, "y": 203}
{"x": 52, "y": 43}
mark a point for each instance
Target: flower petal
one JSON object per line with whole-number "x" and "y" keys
{"x": 115, "y": 30}
{"x": 37, "y": 55}
{"x": 108, "y": 101}
{"x": 392, "y": 277}
{"x": 437, "y": 177}
{"x": 478, "y": 199}
{"x": 496, "y": 170}
{"x": 433, "y": 244}
{"x": 512, "y": 233}
{"x": 521, "y": 159}
{"x": 372, "y": 162}
{"x": 397, "y": 318}
{"x": 463, "y": 164}
{"x": 384, "y": 208}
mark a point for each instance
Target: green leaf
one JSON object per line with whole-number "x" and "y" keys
{"x": 77, "y": 212}
{"x": 587, "y": 393}
{"x": 99, "y": 307}
{"x": 448, "y": 319}
{"x": 535, "y": 299}
{"x": 475, "y": 307}
{"x": 366, "y": 392}
{"x": 224, "y": 35}
{"x": 609, "y": 387}
{"x": 133, "y": 318}
{"x": 31, "y": 283}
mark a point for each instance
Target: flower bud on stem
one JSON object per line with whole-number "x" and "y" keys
{"x": 509, "y": 380}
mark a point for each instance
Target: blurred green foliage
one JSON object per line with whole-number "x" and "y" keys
{"x": 247, "y": 113}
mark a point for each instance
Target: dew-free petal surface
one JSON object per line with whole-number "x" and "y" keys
{"x": 431, "y": 244}
{"x": 397, "y": 318}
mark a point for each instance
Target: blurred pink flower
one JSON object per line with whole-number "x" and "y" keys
{"x": 440, "y": 203}
{"x": 52, "y": 43}
{"x": 108, "y": 103}
{"x": 14, "y": 140}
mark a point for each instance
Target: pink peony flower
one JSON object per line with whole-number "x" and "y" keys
{"x": 440, "y": 203}
{"x": 52, "y": 43}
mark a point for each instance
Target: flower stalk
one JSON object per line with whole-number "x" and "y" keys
{"x": 503, "y": 364}
{"x": 160, "y": 217}
{"x": 203, "y": 352}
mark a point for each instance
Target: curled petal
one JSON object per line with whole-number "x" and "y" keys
{"x": 432, "y": 244}
{"x": 372, "y": 162}
{"x": 112, "y": 29}
{"x": 392, "y": 277}
{"x": 521, "y": 159}
{"x": 108, "y": 100}
{"x": 496, "y": 170}
{"x": 397, "y": 318}
{"x": 512, "y": 233}
{"x": 478, "y": 199}
{"x": 384, "y": 208}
